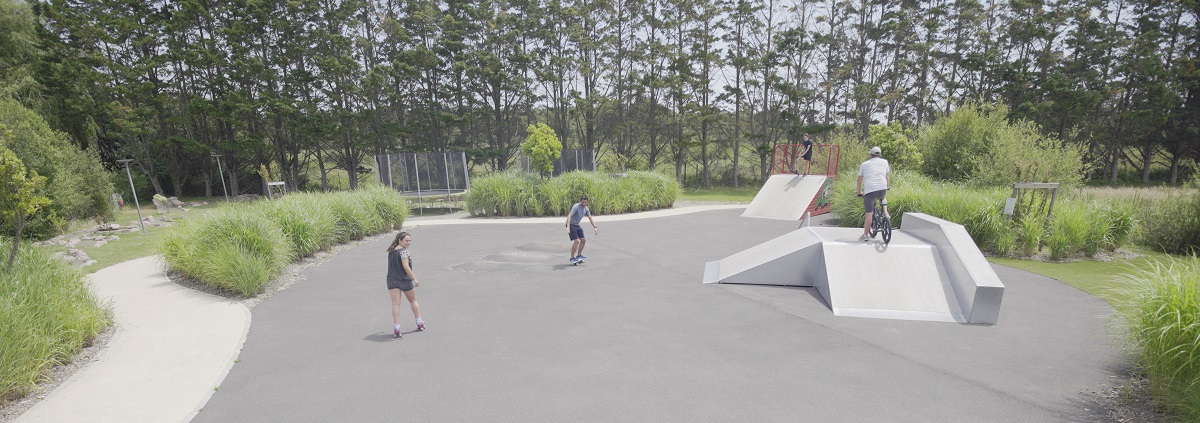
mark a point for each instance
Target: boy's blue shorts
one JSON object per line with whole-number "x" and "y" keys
{"x": 576, "y": 232}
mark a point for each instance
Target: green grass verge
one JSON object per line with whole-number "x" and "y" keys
{"x": 1104, "y": 279}
{"x": 132, "y": 245}
{"x": 722, "y": 194}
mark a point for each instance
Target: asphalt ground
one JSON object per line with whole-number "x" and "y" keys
{"x": 515, "y": 333}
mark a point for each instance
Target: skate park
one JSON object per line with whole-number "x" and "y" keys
{"x": 710, "y": 313}
{"x": 516, "y": 333}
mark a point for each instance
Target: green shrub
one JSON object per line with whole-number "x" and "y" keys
{"x": 563, "y": 191}
{"x": 1068, "y": 231}
{"x": 519, "y": 194}
{"x": 1122, "y": 224}
{"x": 511, "y": 193}
{"x": 355, "y": 218}
{"x": 979, "y": 145}
{"x": 304, "y": 219}
{"x": 1030, "y": 231}
{"x": 236, "y": 248}
{"x": 388, "y": 204}
{"x": 1172, "y": 225}
{"x": 1162, "y": 317}
{"x": 75, "y": 180}
{"x": 897, "y": 145}
{"x": 48, "y": 315}
{"x": 514, "y": 194}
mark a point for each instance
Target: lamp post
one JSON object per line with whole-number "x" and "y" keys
{"x": 134, "y": 190}
{"x": 222, "y": 171}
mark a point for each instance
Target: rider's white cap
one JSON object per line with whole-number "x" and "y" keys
{"x": 875, "y": 151}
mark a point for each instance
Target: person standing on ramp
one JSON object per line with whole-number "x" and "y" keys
{"x": 574, "y": 217}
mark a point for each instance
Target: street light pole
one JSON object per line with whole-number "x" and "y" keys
{"x": 134, "y": 190}
{"x": 222, "y": 170}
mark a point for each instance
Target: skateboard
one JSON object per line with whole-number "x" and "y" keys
{"x": 577, "y": 262}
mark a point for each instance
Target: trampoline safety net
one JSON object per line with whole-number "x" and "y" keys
{"x": 429, "y": 173}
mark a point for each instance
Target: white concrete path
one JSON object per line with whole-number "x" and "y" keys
{"x": 173, "y": 345}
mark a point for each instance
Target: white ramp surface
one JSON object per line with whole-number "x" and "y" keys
{"x": 905, "y": 281}
{"x": 913, "y": 278}
{"x": 785, "y": 197}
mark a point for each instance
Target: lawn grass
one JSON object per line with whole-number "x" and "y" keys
{"x": 132, "y": 245}
{"x": 1104, "y": 279}
{"x": 724, "y": 194}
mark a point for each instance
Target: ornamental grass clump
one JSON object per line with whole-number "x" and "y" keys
{"x": 388, "y": 204}
{"x": 1172, "y": 224}
{"x": 1069, "y": 231}
{"x": 47, "y": 315}
{"x": 309, "y": 225}
{"x": 1122, "y": 224}
{"x": 355, "y": 218}
{"x": 522, "y": 194}
{"x": 565, "y": 190}
{"x": 510, "y": 193}
{"x": 1162, "y": 319}
{"x": 1030, "y": 231}
{"x": 237, "y": 248}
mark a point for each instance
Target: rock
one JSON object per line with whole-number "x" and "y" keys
{"x": 79, "y": 255}
{"x": 100, "y": 243}
{"x": 108, "y": 227}
{"x": 72, "y": 243}
{"x": 162, "y": 205}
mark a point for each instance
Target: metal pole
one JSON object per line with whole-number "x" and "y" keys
{"x": 389, "y": 162}
{"x": 417, "y": 167}
{"x": 134, "y": 190}
{"x": 446, "y": 162}
{"x": 222, "y": 170}
{"x": 466, "y": 176}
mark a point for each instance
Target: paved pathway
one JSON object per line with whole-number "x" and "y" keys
{"x": 172, "y": 346}
{"x": 517, "y": 334}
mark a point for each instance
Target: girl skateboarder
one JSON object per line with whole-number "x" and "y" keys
{"x": 401, "y": 279}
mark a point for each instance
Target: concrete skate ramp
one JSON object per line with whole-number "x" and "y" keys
{"x": 919, "y": 276}
{"x": 785, "y": 197}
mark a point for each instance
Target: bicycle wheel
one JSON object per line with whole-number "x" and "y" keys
{"x": 886, "y": 228}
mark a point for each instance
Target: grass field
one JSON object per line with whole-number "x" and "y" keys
{"x": 730, "y": 195}
{"x": 1100, "y": 278}
{"x": 132, "y": 245}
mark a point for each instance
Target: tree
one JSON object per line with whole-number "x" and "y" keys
{"x": 18, "y": 52}
{"x": 19, "y": 196}
{"x": 542, "y": 147}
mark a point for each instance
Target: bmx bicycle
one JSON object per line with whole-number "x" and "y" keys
{"x": 881, "y": 223}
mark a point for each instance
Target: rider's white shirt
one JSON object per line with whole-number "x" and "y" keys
{"x": 874, "y": 173}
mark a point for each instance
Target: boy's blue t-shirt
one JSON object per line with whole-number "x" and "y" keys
{"x": 577, "y": 213}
